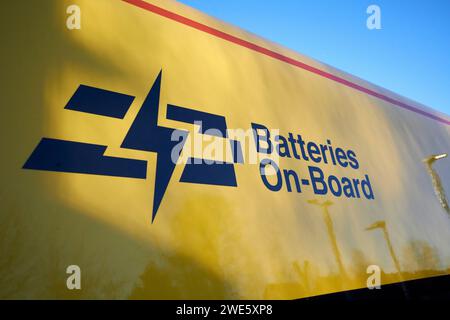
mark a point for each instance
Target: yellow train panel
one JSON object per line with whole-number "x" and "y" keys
{"x": 87, "y": 133}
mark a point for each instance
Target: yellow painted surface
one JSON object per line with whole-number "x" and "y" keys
{"x": 207, "y": 241}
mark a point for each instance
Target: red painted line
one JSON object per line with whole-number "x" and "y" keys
{"x": 249, "y": 45}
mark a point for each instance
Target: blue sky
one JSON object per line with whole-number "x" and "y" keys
{"x": 410, "y": 55}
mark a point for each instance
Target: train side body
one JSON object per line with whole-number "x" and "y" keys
{"x": 87, "y": 120}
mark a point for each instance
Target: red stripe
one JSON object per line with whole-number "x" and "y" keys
{"x": 244, "y": 43}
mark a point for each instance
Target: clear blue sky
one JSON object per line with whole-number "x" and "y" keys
{"x": 410, "y": 55}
